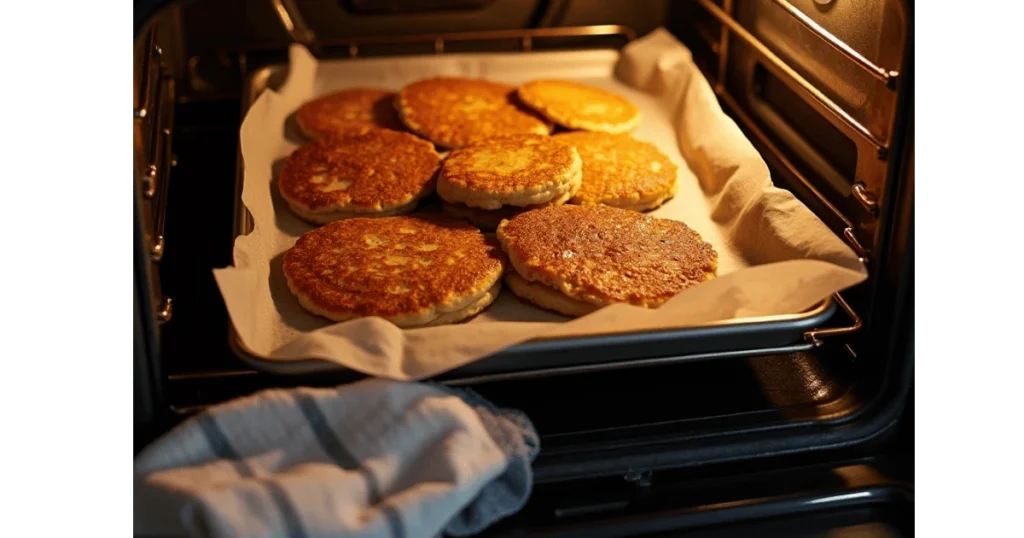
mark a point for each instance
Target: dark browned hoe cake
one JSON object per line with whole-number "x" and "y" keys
{"x": 573, "y": 259}
{"x": 413, "y": 270}
{"x": 375, "y": 173}
{"x": 452, "y": 112}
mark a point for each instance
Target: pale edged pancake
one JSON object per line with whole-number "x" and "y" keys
{"x": 521, "y": 171}
{"x": 603, "y": 255}
{"x": 453, "y": 112}
{"x": 545, "y": 297}
{"x": 412, "y": 270}
{"x": 378, "y": 172}
{"x": 489, "y": 219}
{"x": 621, "y": 171}
{"x": 346, "y": 111}
{"x": 578, "y": 106}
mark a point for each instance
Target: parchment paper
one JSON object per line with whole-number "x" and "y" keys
{"x": 775, "y": 256}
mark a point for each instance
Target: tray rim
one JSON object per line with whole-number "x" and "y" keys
{"x": 256, "y": 82}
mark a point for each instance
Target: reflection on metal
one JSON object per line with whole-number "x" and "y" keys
{"x": 149, "y": 182}
{"x": 166, "y": 311}
{"x": 290, "y": 17}
{"x": 152, "y": 54}
{"x": 154, "y": 120}
{"x": 841, "y": 497}
{"x": 865, "y": 197}
{"x": 210, "y": 374}
{"x": 785, "y": 71}
{"x": 723, "y": 49}
{"x": 885, "y": 75}
{"x": 625, "y": 364}
{"x": 526, "y": 37}
{"x": 157, "y": 252}
{"x": 814, "y": 337}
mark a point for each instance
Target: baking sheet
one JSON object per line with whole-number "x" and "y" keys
{"x": 775, "y": 256}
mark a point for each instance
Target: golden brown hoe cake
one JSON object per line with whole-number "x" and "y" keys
{"x": 518, "y": 171}
{"x": 578, "y": 106}
{"x": 574, "y": 259}
{"x": 412, "y": 270}
{"x": 347, "y": 111}
{"x": 377, "y": 173}
{"x": 621, "y": 171}
{"x": 452, "y": 112}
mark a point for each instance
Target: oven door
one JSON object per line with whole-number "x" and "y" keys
{"x": 853, "y": 499}
{"x": 868, "y": 495}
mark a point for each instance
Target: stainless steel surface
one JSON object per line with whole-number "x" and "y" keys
{"x": 143, "y": 101}
{"x": 723, "y": 49}
{"x": 789, "y": 330}
{"x": 163, "y": 163}
{"x": 548, "y": 372}
{"x": 292, "y": 21}
{"x": 878, "y": 30}
{"x": 526, "y": 37}
{"x": 633, "y": 363}
{"x": 887, "y": 76}
{"x": 152, "y": 139}
{"x": 785, "y": 71}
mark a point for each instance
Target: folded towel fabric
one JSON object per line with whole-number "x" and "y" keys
{"x": 373, "y": 458}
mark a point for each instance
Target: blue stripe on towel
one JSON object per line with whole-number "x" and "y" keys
{"x": 220, "y": 445}
{"x": 292, "y": 523}
{"x": 332, "y": 446}
{"x": 394, "y": 520}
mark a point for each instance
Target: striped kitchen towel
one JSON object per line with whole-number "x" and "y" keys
{"x": 374, "y": 458}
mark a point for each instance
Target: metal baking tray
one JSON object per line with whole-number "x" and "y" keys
{"x": 717, "y": 340}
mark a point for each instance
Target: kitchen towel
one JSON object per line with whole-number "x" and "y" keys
{"x": 373, "y": 458}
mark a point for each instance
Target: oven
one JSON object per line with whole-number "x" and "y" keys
{"x": 794, "y": 438}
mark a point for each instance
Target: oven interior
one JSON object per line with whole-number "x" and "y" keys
{"x": 822, "y": 88}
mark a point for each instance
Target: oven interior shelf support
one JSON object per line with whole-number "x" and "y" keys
{"x": 154, "y": 117}
{"x": 816, "y": 336}
{"x": 781, "y": 68}
{"x": 724, "y": 15}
